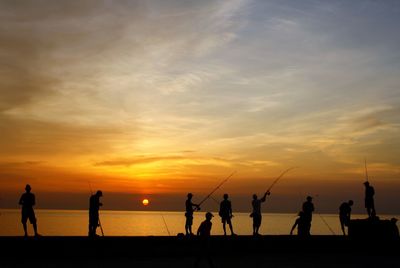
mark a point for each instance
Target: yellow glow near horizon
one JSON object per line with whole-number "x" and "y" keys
{"x": 145, "y": 202}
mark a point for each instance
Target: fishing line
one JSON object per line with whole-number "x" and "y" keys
{"x": 166, "y": 226}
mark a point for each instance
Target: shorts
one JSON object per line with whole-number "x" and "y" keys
{"x": 257, "y": 220}
{"x": 369, "y": 203}
{"x": 344, "y": 220}
{"x": 226, "y": 220}
{"x": 189, "y": 220}
{"x": 28, "y": 214}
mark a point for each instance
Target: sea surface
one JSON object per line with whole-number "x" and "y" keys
{"x": 158, "y": 223}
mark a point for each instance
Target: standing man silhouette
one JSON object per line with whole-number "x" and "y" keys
{"x": 225, "y": 211}
{"x": 308, "y": 209}
{"x": 27, "y": 201}
{"x": 256, "y": 214}
{"x": 369, "y": 199}
{"x": 189, "y": 214}
{"x": 94, "y": 206}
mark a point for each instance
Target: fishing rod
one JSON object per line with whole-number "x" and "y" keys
{"x": 216, "y": 188}
{"x": 366, "y": 170}
{"x": 166, "y": 226}
{"x": 324, "y": 221}
{"x": 101, "y": 227}
{"x": 279, "y": 177}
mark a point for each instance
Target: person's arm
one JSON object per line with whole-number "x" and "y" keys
{"x": 33, "y": 200}
{"x": 195, "y": 205}
{"x": 21, "y": 201}
{"x": 294, "y": 226}
{"x": 265, "y": 196}
{"x": 200, "y": 228}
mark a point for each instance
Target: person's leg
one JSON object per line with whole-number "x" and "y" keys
{"x": 24, "y": 220}
{"x": 187, "y": 226}
{"x": 369, "y": 211}
{"x": 25, "y": 228}
{"x": 230, "y": 226}
{"x": 35, "y": 228}
{"x": 224, "y": 226}
{"x": 190, "y": 229}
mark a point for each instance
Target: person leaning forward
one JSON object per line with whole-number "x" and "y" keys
{"x": 94, "y": 207}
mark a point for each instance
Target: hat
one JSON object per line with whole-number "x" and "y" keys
{"x": 209, "y": 215}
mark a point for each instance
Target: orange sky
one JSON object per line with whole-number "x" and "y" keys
{"x": 166, "y": 97}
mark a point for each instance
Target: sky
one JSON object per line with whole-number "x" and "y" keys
{"x": 160, "y": 98}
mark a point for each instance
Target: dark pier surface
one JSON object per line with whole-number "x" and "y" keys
{"x": 237, "y": 251}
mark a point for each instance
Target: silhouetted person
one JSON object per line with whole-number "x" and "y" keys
{"x": 204, "y": 232}
{"x": 94, "y": 206}
{"x": 189, "y": 214}
{"x": 369, "y": 199}
{"x": 27, "y": 201}
{"x": 205, "y": 227}
{"x": 301, "y": 224}
{"x": 308, "y": 209}
{"x": 345, "y": 214}
{"x": 225, "y": 211}
{"x": 256, "y": 214}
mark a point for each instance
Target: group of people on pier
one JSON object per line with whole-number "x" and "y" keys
{"x": 303, "y": 222}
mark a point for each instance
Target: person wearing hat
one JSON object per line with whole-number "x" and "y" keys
{"x": 27, "y": 201}
{"x": 205, "y": 227}
{"x": 308, "y": 209}
{"x": 204, "y": 232}
{"x": 345, "y": 214}
{"x": 189, "y": 213}
{"x": 94, "y": 206}
{"x": 369, "y": 199}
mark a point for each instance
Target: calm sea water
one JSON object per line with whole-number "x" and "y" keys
{"x": 143, "y": 223}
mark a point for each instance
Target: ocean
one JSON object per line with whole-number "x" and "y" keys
{"x": 158, "y": 223}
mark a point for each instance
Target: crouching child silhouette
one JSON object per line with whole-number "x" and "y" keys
{"x": 204, "y": 233}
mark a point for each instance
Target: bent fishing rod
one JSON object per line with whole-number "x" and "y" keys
{"x": 101, "y": 227}
{"x": 215, "y": 189}
{"x": 279, "y": 177}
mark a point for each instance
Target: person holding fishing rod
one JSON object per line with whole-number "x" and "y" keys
{"x": 256, "y": 203}
{"x": 369, "y": 199}
{"x": 94, "y": 206}
{"x": 189, "y": 214}
{"x": 256, "y": 214}
{"x": 190, "y": 205}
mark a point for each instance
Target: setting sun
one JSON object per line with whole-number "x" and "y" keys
{"x": 145, "y": 202}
